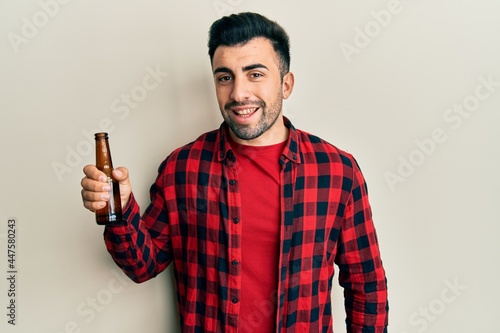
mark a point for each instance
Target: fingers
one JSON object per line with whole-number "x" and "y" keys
{"x": 92, "y": 172}
{"x": 95, "y": 188}
{"x": 94, "y": 180}
{"x": 94, "y": 200}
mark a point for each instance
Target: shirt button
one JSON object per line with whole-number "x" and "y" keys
{"x": 235, "y": 262}
{"x": 236, "y": 220}
{"x": 234, "y": 300}
{"x": 221, "y": 155}
{"x": 232, "y": 182}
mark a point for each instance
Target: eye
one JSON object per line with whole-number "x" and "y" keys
{"x": 224, "y": 78}
{"x": 256, "y": 75}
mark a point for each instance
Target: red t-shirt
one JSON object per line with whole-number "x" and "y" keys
{"x": 259, "y": 180}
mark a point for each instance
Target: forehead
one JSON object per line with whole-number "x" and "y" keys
{"x": 257, "y": 50}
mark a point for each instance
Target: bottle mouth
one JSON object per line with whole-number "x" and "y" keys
{"x": 101, "y": 135}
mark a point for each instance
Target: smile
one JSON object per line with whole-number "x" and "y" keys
{"x": 245, "y": 112}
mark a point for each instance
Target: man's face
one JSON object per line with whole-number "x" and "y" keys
{"x": 250, "y": 91}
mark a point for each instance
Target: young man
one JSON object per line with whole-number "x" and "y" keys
{"x": 254, "y": 215}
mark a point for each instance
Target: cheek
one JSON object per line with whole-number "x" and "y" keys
{"x": 271, "y": 95}
{"x": 221, "y": 99}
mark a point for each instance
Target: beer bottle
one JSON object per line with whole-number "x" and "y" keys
{"x": 112, "y": 212}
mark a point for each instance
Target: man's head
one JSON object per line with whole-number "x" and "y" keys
{"x": 238, "y": 29}
{"x": 250, "y": 64}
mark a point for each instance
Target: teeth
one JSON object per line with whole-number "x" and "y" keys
{"x": 245, "y": 111}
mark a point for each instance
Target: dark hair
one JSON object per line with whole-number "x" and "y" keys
{"x": 238, "y": 29}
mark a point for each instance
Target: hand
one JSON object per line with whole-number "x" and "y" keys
{"x": 95, "y": 187}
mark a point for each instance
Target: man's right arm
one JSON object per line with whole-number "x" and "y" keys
{"x": 140, "y": 245}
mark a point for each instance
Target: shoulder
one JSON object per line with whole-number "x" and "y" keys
{"x": 203, "y": 148}
{"x": 317, "y": 150}
{"x": 204, "y": 143}
{"x": 328, "y": 160}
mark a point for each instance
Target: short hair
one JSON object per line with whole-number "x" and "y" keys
{"x": 238, "y": 29}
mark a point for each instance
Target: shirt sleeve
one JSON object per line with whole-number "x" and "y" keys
{"x": 361, "y": 273}
{"x": 141, "y": 245}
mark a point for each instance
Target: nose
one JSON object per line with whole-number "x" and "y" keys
{"x": 241, "y": 89}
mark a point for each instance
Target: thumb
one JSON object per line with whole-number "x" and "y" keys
{"x": 121, "y": 174}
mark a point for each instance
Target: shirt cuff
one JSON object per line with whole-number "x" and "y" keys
{"x": 125, "y": 226}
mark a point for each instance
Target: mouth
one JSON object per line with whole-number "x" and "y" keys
{"x": 244, "y": 112}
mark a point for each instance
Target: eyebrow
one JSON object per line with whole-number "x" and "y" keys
{"x": 245, "y": 69}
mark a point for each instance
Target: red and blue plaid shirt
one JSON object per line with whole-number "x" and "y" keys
{"x": 194, "y": 222}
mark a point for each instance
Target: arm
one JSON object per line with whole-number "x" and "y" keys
{"x": 141, "y": 245}
{"x": 361, "y": 273}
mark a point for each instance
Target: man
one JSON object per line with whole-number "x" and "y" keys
{"x": 254, "y": 215}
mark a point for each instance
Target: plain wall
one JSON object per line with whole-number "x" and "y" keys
{"x": 410, "y": 88}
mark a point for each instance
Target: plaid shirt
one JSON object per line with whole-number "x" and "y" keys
{"x": 194, "y": 221}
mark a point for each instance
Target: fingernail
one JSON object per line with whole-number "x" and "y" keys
{"x": 106, "y": 188}
{"x": 118, "y": 173}
{"x": 103, "y": 179}
{"x": 105, "y": 196}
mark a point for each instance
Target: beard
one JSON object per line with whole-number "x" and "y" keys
{"x": 268, "y": 117}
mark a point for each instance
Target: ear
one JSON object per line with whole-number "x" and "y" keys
{"x": 287, "y": 85}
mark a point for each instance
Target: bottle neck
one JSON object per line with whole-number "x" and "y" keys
{"x": 103, "y": 156}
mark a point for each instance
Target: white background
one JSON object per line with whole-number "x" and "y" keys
{"x": 375, "y": 85}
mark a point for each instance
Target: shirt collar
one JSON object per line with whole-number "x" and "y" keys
{"x": 291, "y": 150}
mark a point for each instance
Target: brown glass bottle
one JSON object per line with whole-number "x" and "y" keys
{"x": 112, "y": 212}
